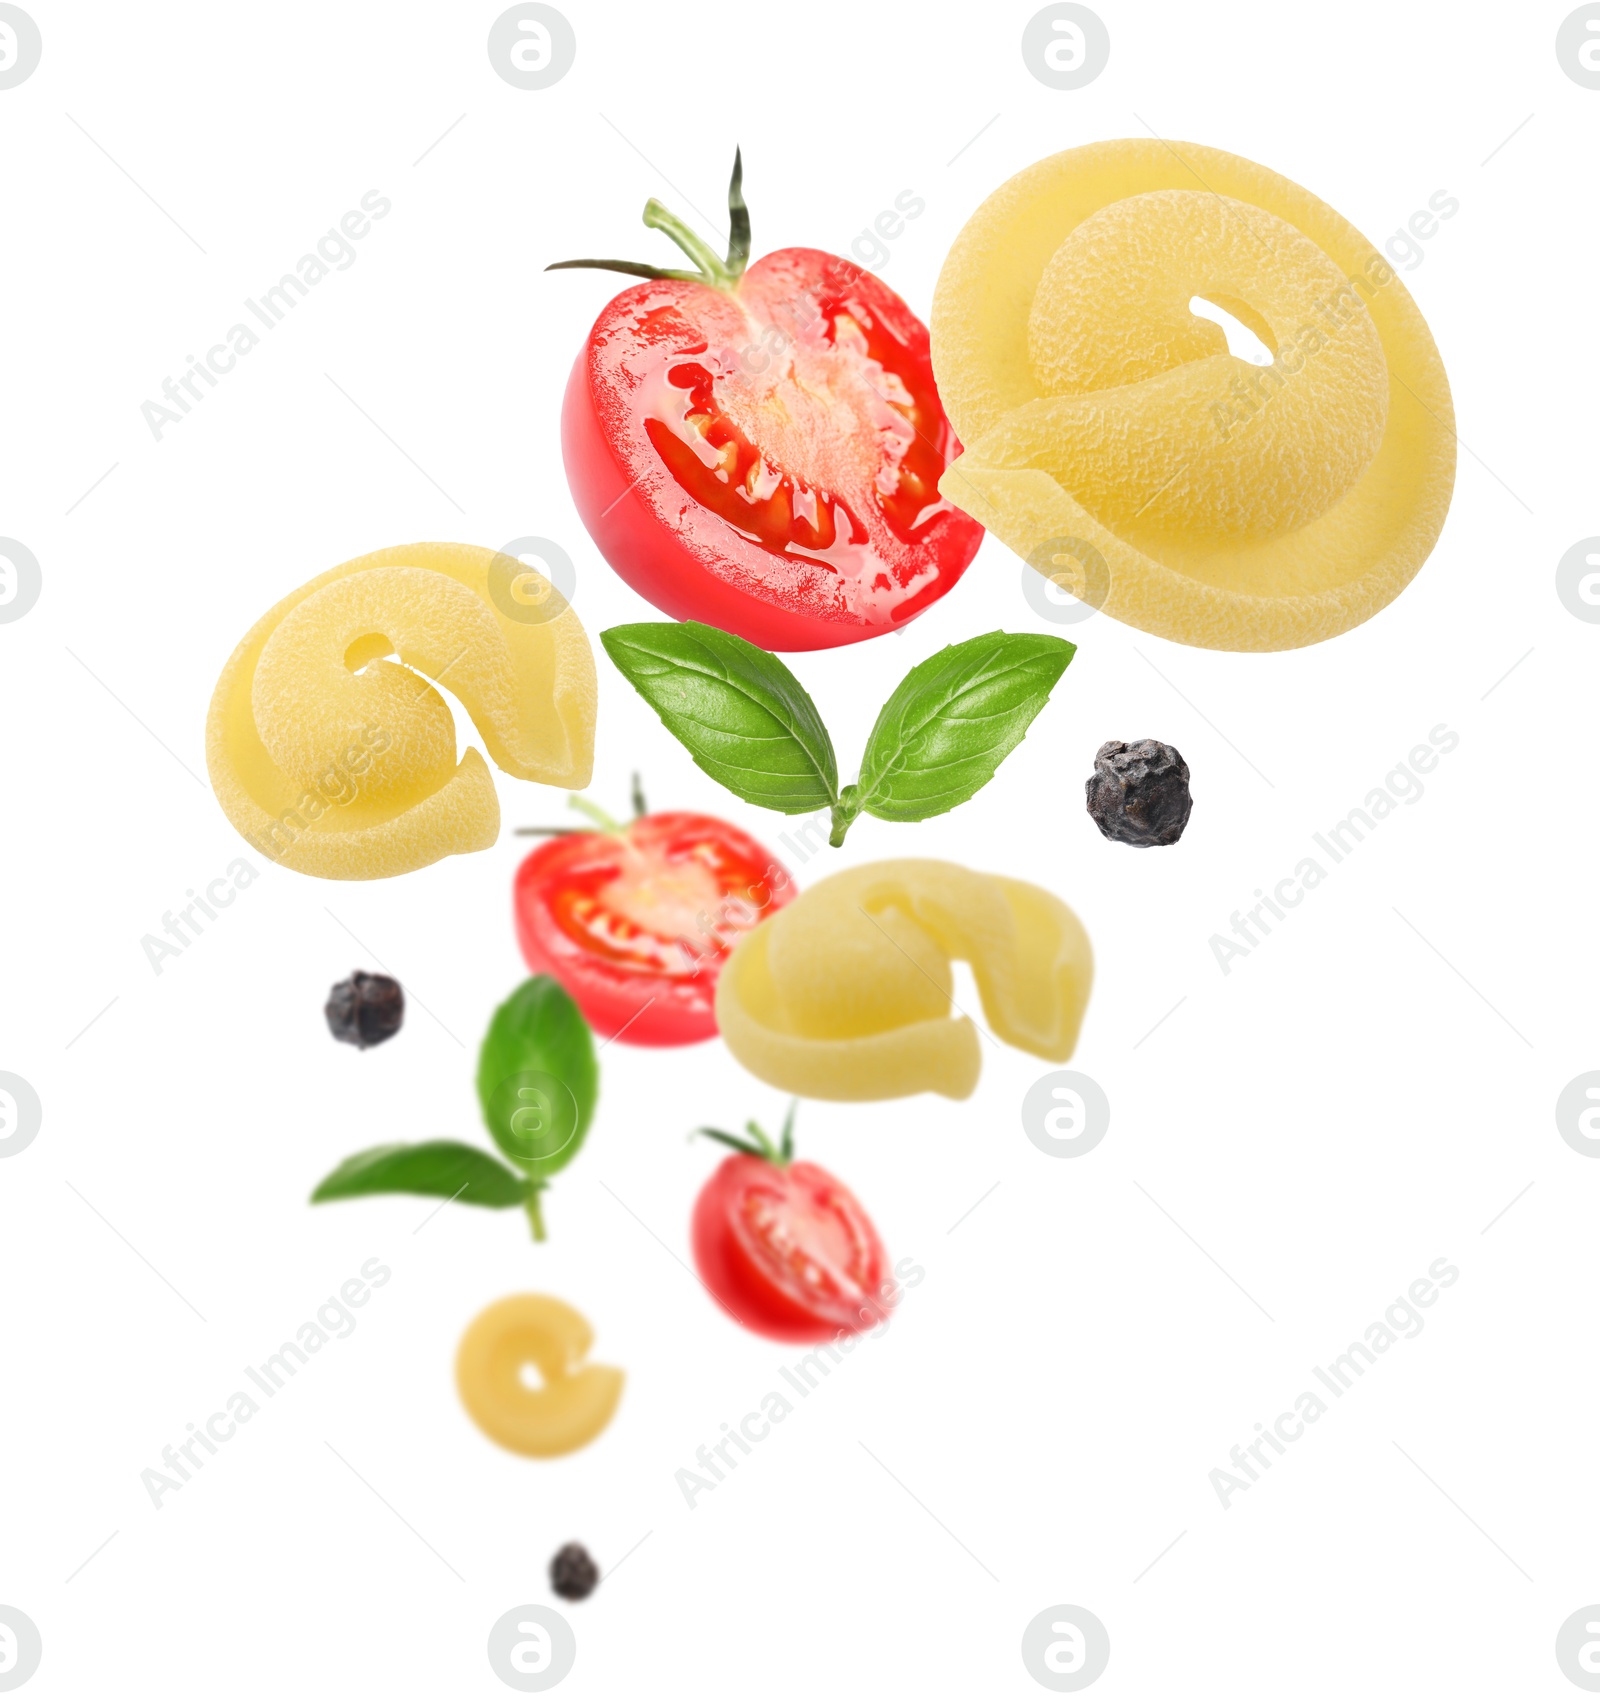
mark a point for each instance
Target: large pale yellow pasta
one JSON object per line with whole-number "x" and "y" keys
{"x": 845, "y": 994}
{"x": 333, "y": 762}
{"x": 1111, "y": 436}
{"x": 576, "y": 1399}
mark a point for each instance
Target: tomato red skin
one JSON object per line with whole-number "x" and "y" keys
{"x": 675, "y": 553}
{"x": 680, "y": 1010}
{"x": 738, "y": 1283}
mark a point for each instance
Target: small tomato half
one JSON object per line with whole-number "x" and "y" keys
{"x": 635, "y": 922}
{"x": 784, "y": 1247}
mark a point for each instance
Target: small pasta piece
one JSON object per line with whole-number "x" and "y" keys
{"x": 576, "y": 1400}
{"x": 845, "y": 993}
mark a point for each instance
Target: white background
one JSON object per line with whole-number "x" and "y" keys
{"x": 1353, "y": 1101}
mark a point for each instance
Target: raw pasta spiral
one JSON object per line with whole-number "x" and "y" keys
{"x": 1230, "y": 505}
{"x": 575, "y": 1398}
{"x": 334, "y": 762}
{"x": 845, "y": 994}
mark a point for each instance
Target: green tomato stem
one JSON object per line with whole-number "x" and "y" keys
{"x": 738, "y": 219}
{"x": 716, "y": 273}
{"x": 712, "y": 269}
{"x": 758, "y": 1144}
{"x": 628, "y": 268}
{"x": 769, "y": 1149}
{"x": 581, "y": 804}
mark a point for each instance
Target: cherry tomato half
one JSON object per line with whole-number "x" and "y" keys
{"x": 635, "y": 923}
{"x": 786, "y": 1249}
{"x": 761, "y": 448}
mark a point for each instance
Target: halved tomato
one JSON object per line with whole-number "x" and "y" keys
{"x": 761, "y": 448}
{"x": 784, "y": 1247}
{"x": 634, "y": 921}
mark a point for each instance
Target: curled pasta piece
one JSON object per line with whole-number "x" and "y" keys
{"x": 334, "y": 762}
{"x": 1115, "y": 443}
{"x": 576, "y": 1400}
{"x": 845, "y": 993}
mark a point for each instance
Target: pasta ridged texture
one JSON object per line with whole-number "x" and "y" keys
{"x": 1234, "y": 506}
{"x": 845, "y": 993}
{"x": 336, "y": 764}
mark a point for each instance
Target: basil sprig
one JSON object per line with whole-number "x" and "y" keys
{"x": 538, "y": 1081}
{"x": 748, "y": 722}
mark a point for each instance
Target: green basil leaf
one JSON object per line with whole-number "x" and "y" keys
{"x": 454, "y": 1170}
{"x": 943, "y": 733}
{"x": 538, "y": 1079}
{"x": 742, "y": 714}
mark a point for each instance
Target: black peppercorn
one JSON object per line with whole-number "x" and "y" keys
{"x": 1139, "y": 793}
{"x": 573, "y": 1574}
{"x": 366, "y": 1008}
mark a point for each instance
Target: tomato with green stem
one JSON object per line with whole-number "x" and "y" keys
{"x": 760, "y": 446}
{"x": 783, "y": 1246}
{"x": 635, "y": 920}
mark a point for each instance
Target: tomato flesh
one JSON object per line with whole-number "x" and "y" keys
{"x": 767, "y": 458}
{"x": 789, "y": 1252}
{"x": 635, "y": 925}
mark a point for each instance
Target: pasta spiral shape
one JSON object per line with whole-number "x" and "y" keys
{"x": 575, "y": 1398}
{"x": 846, "y": 993}
{"x": 1112, "y": 436}
{"x": 335, "y": 762}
